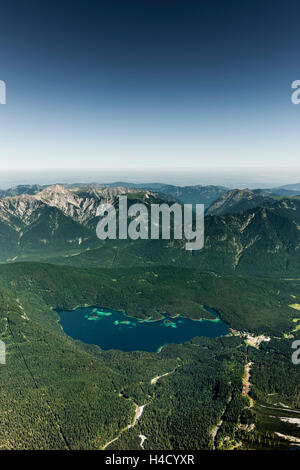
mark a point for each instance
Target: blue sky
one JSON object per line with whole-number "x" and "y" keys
{"x": 149, "y": 84}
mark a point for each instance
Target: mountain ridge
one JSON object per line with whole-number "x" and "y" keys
{"x": 59, "y": 224}
{"x": 239, "y": 200}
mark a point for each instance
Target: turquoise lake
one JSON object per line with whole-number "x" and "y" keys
{"x": 112, "y": 329}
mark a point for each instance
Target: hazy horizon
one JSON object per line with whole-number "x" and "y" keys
{"x": 229, "y": 177}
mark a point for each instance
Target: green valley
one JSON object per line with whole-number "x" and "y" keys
{"x": 72, "y": 395}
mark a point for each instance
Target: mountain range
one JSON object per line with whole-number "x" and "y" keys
{"x": 60, "y": 393}
{"x": 245, "y": 231}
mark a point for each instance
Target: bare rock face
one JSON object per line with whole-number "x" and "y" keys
{"x": 53, "y": 219}
{"x": 78, "y": 203}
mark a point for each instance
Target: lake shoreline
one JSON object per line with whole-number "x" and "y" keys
{"x": 150, "y": 319}
{"x": 115, "y": 329}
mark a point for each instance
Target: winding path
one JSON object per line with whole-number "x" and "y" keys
{"x": 138, "y": 413}
{"x": 155, "y": 379}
